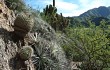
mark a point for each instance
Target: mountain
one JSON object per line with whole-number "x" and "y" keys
{"x": 101, "y": 11}
{"x": 95, "y": 15}
{"x": 97, "y": 20}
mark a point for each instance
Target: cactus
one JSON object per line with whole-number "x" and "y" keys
{"x": 58, "y": 22}
{"x": 23, "y": 24}
{"x": 53, "y": 3}
{"x": 46, "y": 10}
{"x": 55, "y": 10}
{"x": 50, "y": 9}
{"x": 26, "y": 52}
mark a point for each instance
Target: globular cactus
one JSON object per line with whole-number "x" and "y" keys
{"x": 26, "y": 52}
{"x": 23, "y": 24}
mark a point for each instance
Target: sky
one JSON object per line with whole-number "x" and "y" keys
{"x": 69, "y": 7}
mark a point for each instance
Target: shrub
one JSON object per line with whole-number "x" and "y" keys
{"x": 16, "y": 5}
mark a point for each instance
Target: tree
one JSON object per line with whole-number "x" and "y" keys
{"x": 89, "y": 46}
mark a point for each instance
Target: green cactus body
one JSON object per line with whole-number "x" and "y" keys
{"x": 26, "y": 52}
{"x": 54, "y": 3}
{"x": 57, "y": 21}
{"x": 23, "y": 24}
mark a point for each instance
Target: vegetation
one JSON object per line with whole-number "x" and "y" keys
{"x": 26, "y": 52}
{"x": 91, "y": 46}
{"x": 58, "y": 22}
{"x": 15, "y": 5}
{"x": 42, "y": 60}
{"x": 23, "y": 24}
{"x": 86, "y": 42}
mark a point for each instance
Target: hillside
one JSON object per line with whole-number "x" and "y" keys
{"x": 27, "y": 42}
{"x": 101, "y": 11}
{"x": 33, "y": 40}
{"x": 95, "y": 15}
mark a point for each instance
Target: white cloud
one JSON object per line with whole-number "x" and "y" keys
{"x": 73, "y": 9}
{"x": 86, "y": 5}
{"x": 73, "y": 13}
{"x": 64, "y": 6}
{"x": 84, "y": 2}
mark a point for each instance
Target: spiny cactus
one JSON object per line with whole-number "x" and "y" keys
{"x": 57, "y": 21}
{"x": 54, "y": 3}
{"x": 23, "y": 24}
{"x": 26, "y": 52}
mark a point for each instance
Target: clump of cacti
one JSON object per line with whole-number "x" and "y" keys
{"x": 58, "y": 22}
{"x": 23, "y": 24}
{"x": 25, "y": 52}
{"x": 50, "y": 10}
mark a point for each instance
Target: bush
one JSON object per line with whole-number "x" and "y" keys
{"x": 89, "y": 46}
{"x": 16, "y": 5}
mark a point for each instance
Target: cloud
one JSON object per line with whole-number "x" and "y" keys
{"x": 85, "y": 5}
{"x": 70, "y": 8}
{"x": 64, "y": 6}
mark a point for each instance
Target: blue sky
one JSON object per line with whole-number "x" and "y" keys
{"x": 69, "y": 7}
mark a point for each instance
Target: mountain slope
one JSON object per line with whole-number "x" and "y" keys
{"x": 101, "y": 11}
{"x": 95, "y": 15}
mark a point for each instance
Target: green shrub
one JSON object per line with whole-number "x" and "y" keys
{"x": 91, "y": 46}
{"x": 16, "y": 5}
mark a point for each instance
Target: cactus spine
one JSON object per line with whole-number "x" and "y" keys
{"x": 57, "y": 21}
{"x": 23, "y": 24}
{"x": 26, "y": 52}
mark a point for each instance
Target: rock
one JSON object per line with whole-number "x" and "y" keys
{"x": 42, "y": 34}
{"x": 8, "y": 48}
{"x": 6, "y": 17}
